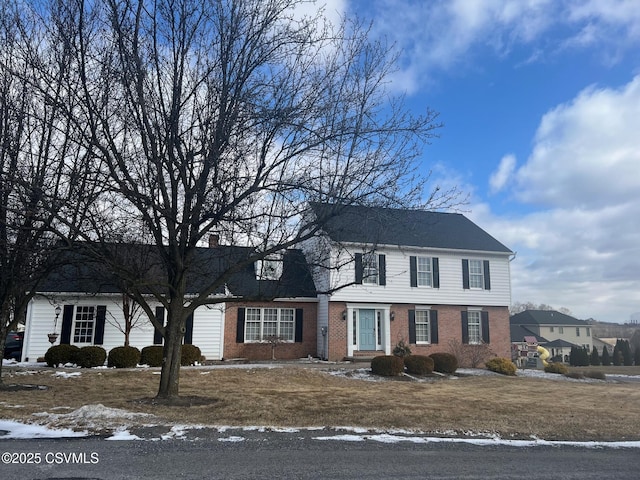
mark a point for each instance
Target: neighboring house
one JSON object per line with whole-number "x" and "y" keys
{"x": 91, "y": 306}
{"x": 522, "y": 341}
{"x": 561, "y": 331}
{"x": 429, "y": 279}
{"x": 601, "y": 343}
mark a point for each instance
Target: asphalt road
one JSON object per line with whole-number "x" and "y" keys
{"x": 206, "y": 454}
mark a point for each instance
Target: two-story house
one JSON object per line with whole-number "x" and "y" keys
{"x": 425, "y": 278}
{"x": 561, "y": 331}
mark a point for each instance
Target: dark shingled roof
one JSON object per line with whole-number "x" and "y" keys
{"x": 518, "y": 332}
{"x": 82, "y": 274}
{"x": 416, "y": 228}
{"x": 560, "y": 343}
{"x": 544, "y": 317}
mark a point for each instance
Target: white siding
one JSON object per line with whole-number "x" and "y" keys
{"x": 323, "y": 321}
{"x": 208, "y": 327}
{"x": 451, "y": 292}
{"x": 208, "y": 331}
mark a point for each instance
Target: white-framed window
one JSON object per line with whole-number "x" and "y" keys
{"x": 264, "y": 323}
{"x": 561, "y": 329}
{"x": 475, "y": 330}
{"x": 423, "y": 327}
{"x": 269, "y": 268}
{"x": 577, "y": 331}
{"x": 476, "y": 274}
{"x": 370, "y": 268}
{"x": 424, "y": 271}
{"x": 588, "y": 332}
{"x": 84, "y": 324}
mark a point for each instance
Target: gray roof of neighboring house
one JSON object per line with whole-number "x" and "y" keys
{"x": 560, "y": 343}
{"x": 518, "y": 332}
{"x": 81, "y": 273}
{"x": 417, "y": 228}
{"x": 545, "y": 317}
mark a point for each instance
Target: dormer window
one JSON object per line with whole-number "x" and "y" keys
{"x": 269, "y": 268}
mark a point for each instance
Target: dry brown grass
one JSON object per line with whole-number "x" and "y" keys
{"x": 294, "y": 396}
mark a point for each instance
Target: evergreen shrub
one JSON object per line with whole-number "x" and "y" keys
{"x": 151, "y": 355}
{"x": 387, "y": 365}
{"x": 91, "y": 356}
{"x": 61, "y": 355}
{"x": 444, "y": 362}
{"x": 190, "y": 355}
{"x": 123, "y": 357}
{"x": 559, "y": 368}
{"x": 501, "y": 365}
{"x": 418, "y": 364}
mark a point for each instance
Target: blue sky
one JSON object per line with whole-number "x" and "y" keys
{"x": 541, "y": 105}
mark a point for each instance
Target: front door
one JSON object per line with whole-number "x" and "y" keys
{"x": 367, "y": 320}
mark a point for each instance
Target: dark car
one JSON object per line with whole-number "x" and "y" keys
{"x": 13, "y": 346}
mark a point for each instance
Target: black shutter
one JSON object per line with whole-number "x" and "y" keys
{"x": 433, "y": 325}
{"x": 157, "y": 336}
{"x": 240, "y": 326}
{"x": 487, "y": 278}
{"x": 98, "y": 334}
{"x": 412, "y": 326}
{"x": 435, "y": 266}
{"x": 299, "y": 317}
{"x": 67, "y": 322}
{"x": 188, "y": 334}
{"x": 465, "y": 274}
{"x": 484, "y": 319}
{"x": 382, "y": 270}
{"x": 465, "y": 327}
{"x": 359, "y": 269}
{"x": 413, "y": 271}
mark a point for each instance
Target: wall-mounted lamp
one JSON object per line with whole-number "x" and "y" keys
{"x": 393, "y": 316}
{"x": 344, "y": 315}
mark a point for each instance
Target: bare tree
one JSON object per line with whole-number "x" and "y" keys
{"x": 230, "y": 117}
{"x": 518, "y": 307}
{"x": 40, "y": 164}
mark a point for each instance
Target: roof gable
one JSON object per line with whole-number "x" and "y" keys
{"x": 415, "y": 228}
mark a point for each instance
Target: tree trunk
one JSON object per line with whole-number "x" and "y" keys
{"x": 3, "y": 339}
{"x": 170, "y": 374}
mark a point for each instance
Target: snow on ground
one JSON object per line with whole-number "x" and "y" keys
{"x": 94, "y": 417}
{"x": 11, "y": 429}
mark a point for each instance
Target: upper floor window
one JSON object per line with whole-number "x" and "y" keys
{"x": 476, "y": 274}
{"x": 560, "y": 329}
{"x": 424, "y": 272}
{"x": 577, "y": 331}
{"x": 370, "y": 268}
{"x": 269, "y": 268}
{"x": 551, "y": 329}
{"x": 588, "y": 332}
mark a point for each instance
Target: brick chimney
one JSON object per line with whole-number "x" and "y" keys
{"x": 214, "y": 240}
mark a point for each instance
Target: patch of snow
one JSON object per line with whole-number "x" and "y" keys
{"x": 177, "y": 432}
{"x": 13, "y": 429}
{"x": 343, "y": 438}
{"x": 123, "y": 435}
{"x": 232, "y": 439}
{"x": 67, "y": 374}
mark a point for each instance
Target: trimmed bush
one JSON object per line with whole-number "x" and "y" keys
{"x": 151, "y": 355}
{"x": 444, "y": 362}
{"x": 190, "y": 355}
{"x": 123, "y": 357}
{"x": 387, "y": 365}
{"x": 91, "y": 356}
{"x": 574, "y": 375}
{"x": 418, "y": 364}
{"x": 61, "y": 355}
{"x": 501, "y": 365}
{"x": 558, "y": 368}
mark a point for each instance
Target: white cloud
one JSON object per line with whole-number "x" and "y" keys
{"x": 586, "y": 150}
{"x": 582, "y": 249}
{"x": 440, "y": 35}
{"x": 501, "y": 177}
